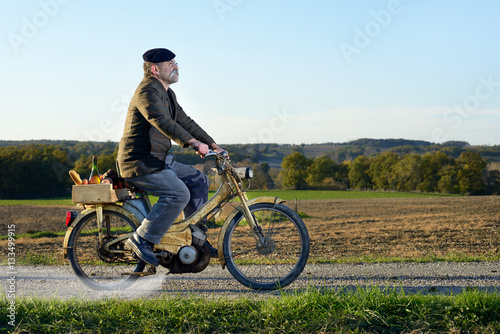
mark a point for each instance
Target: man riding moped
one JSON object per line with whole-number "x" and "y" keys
{"x": 154, "y": 119}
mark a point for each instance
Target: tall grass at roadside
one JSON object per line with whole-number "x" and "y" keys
{"x": 372, "y": 309}
{"x": 48, "y": 259}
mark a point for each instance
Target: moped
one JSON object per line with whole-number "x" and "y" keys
{"x": 262, "y": 242}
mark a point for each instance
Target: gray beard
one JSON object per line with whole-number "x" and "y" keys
{"x": 173, "y": 73}
{"x": 171, "y": 79}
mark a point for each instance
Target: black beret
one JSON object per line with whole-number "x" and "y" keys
{"x": 158, "y": 55}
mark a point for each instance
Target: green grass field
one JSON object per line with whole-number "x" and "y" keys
{"x": 349, "y": 310}
{"x": 333, "y": 194}
{"x": 48, "y": 201}
{"x": 287, "y": 195}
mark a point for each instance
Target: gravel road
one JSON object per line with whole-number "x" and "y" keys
{"x": 436, "y": 277}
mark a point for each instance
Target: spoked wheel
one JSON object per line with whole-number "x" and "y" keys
{"x": 101, "y": 265}
{"x": 274, "y": 263}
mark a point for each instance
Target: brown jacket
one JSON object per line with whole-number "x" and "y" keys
{"x": 154, "y": 118}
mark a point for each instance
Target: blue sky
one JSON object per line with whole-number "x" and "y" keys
{"x": 257, "y": 71}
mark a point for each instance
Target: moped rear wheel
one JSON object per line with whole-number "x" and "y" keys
{"x": 274, "y": 264}
{"x": 103, "y": 266}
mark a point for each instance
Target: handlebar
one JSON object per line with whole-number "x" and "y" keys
{"x": 211, "y": 153}
{"x": 223, "y": 154}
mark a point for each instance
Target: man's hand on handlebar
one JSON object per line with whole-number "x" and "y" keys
{"x": 200, "y": 148}
{"x": 203, "y": 149}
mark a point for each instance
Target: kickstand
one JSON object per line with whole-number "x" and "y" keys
{"x": 151, "y": 270}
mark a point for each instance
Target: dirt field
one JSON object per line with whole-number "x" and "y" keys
{"x": 404, "y": 227}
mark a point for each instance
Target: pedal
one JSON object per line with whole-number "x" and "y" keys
{"x": 162, "y": 254}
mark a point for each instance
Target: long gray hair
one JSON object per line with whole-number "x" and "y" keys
{"x": 148, "y": 73}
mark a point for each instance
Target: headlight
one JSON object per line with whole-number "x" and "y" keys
{"x": 244, "y": 172}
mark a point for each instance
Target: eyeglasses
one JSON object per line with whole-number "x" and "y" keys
{"x": 174, "y": 64}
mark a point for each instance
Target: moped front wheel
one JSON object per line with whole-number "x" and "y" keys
{"x": 103, "y": 265}
{"x": 277, "y": 258}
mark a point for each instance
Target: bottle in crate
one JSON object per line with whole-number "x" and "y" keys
{"x": 94, "y": 177}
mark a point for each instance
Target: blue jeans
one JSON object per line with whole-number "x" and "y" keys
{"x": 179, "y": 188}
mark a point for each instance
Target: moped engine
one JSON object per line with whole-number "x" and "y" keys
{"x": 191, "y": 258}
{"x": 188, "y": 255}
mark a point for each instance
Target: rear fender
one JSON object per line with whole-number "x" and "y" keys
{"x": 84, "y": 213}
{"x": 230, "y": 217}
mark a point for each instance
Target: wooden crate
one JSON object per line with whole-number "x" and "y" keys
{"x": 94, "y": 194}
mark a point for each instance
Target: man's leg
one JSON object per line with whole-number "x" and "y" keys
{"x": 196, "y": 182}
{"x": 173, "y": 196}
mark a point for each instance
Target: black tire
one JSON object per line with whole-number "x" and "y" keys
{"x": 274, "y": 266}
{"x": 94, "y": 266}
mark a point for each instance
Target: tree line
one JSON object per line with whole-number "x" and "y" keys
{"x": 40, "y": 169}
{"x": 429, "y": 172}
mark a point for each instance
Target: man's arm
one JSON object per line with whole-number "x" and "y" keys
{"x": 184, "y": 130}
{"x": 192, "y": 127}
{"x": 150, "y": 104}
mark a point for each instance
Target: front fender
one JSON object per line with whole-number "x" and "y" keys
{"x": 239, "y": 208}
{"x": 84, "y": 213}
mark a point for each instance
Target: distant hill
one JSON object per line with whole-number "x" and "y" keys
{"x": 273, "y": 153}
{"x": 388, "y": 143}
